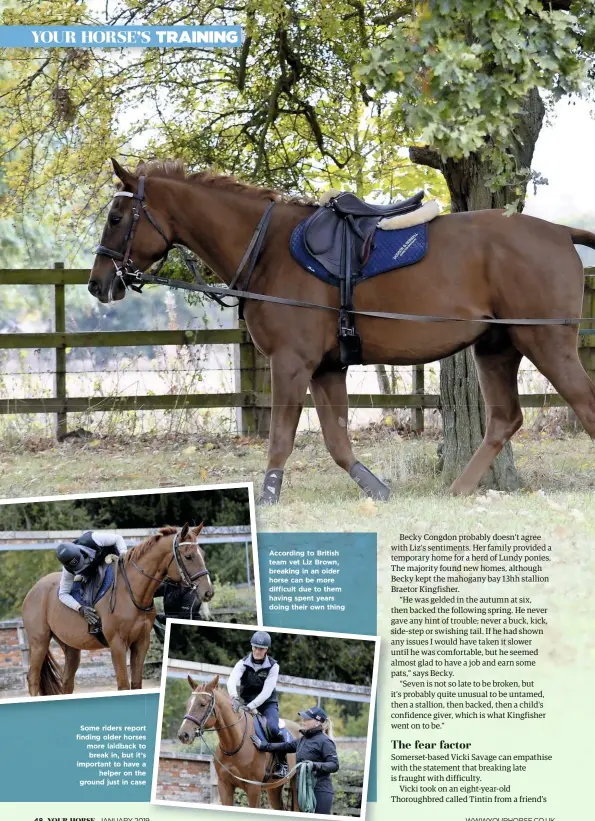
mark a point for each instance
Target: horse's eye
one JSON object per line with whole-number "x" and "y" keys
{"x": 114, "y": 219}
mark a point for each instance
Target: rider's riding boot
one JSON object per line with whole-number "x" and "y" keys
{"x": 281, "y": 768}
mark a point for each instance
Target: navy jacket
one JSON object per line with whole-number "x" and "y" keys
{"x": 312, "y": 745}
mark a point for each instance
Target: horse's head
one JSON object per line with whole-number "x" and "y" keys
{"x": 130, "y": 241}
{"x": 189, "y": 565}
{"x": 200, "y": 710}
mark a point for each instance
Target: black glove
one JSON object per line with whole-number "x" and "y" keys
{"x": 90, "y": 614}
{"x": 316, "y": 766}
{"x": 258, "y": 742}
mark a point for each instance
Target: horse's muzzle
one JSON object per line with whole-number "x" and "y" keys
{"x": 107, "y": 292}
{"x": 184, "y": 737}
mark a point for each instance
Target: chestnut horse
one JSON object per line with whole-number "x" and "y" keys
{"x": 480, "y": 265}
{"x": 236, "y": 759}
{"x": 127, "y": 612}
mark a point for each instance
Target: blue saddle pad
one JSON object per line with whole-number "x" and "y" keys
{"x": 76, "y": 592}
{"x": 261, "y": 734}
{"x": 391, "y": 249}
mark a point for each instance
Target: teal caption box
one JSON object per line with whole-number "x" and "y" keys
{"x": 346, "y": 603}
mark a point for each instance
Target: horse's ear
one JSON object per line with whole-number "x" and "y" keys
{"x": 184, "y": 531}
{"x": 125, "y": 176}
{"x": 192, "y": 682}
{"x": 196, "y": 530}
{"x": 213, "y": 684}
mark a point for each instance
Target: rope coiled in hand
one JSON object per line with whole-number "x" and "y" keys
{"x": 306, "y": 782}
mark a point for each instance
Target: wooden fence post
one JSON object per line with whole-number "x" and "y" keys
{"x": 255, "y": 377}
{"x": 60, "y": 327}
{"x": 418, "y": 384}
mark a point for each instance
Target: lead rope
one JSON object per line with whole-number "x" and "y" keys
{"x": 306, "y": 783}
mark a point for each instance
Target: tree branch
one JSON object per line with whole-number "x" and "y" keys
{"x": 425, "y": 155}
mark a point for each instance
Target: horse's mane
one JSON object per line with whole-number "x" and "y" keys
{"x": 176, "y": 169}
{"x": 139, "y": 550}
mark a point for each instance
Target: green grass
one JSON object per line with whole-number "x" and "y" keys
{"x": 559, "y": 477}
{"x": 34, "y": 468}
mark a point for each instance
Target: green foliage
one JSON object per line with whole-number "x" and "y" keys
{"x": 19, "y": 570}
{"x": 216, "y": 508}
{"x": 287, "y": 109}
{"x": 320, "y": 657}
{"x": 463, "y": 69}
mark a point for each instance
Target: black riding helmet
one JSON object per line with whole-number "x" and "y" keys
{"x": 261, "y": 639}
{"x": 71, "y": 557}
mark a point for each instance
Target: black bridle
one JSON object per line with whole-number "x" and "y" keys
{"x": 131, "y": 276}
{"x": 210, "y": 711}
{"x": 188, "y": 578}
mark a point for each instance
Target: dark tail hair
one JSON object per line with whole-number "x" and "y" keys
{"x": 580, "y": 237}
{"x": 50, "y": 681}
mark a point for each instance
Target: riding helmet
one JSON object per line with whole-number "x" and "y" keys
{"x": 261, "y": 639}
{"x": 69, "y": 555}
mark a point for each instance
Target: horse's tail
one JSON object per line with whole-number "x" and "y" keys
{"x": 50, "y": 681}
{"x": 580, "y": 237}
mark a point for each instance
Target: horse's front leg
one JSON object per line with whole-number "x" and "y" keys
{"x": 329, "y": 390}
{"x": 118, "y": 650}
{"x": 290, "y": 376}
{"x": 138, "y": 653}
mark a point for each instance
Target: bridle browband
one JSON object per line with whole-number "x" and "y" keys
{"x": 130, "y": 275}
{"x": 200, "y": 724}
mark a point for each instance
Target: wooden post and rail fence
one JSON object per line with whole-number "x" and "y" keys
{"x": 254, "y": 395}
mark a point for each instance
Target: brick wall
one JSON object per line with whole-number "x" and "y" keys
{"x": 186, "y": 777}
{"x": 13, "y": 655}
{"x": 96, "y": 665}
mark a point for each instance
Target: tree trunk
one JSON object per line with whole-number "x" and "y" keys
{"x": 463, "y": 411}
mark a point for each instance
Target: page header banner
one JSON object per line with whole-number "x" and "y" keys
{"x": 120, "y": 36}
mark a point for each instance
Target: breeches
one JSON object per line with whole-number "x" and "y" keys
{"x": 271, "y": 713}
{"x": 324, "y": 801}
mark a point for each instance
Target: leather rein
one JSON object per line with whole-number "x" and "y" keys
{"x": 135, "y": 279}
{"x": 200, "y": 724}
{"x": 188, "y": 579}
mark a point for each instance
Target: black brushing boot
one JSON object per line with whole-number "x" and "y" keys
{"x": 370, "y": 484}
{"x": 271, "y": 487}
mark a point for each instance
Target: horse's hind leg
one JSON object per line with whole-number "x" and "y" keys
{"x": 39, "y": 644}
{"x": 72, "y": 659}
{"x": 329, "y": 391}
{"x": 497, "y": 361}
{"x": 290, "y": 377}
{"x": 553, "y": 350}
